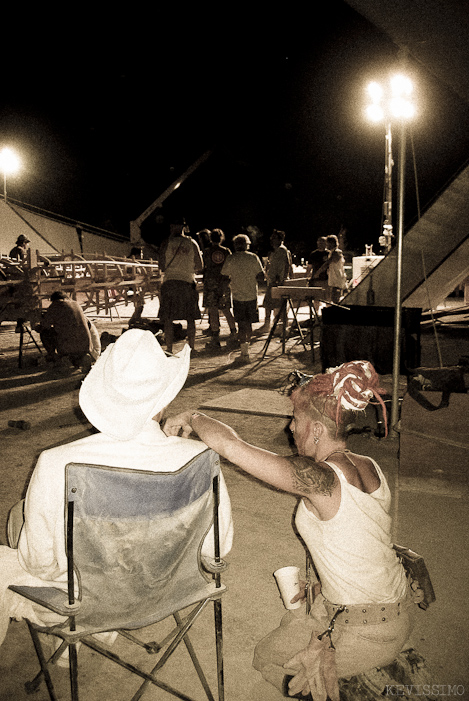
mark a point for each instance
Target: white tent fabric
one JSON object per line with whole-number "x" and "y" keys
{"x": 50, "y": 234}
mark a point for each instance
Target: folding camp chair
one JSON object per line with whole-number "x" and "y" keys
{"x": 133, "y": 540}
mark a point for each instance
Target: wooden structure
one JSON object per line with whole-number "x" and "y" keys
{"x": 98, "y": 283}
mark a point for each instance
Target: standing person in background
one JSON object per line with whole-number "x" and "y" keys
{"x": 336, "y": 277}
{"x": 244, "y": 270}
{"x": 179, "y": 259}
{"x": 278, "y": 270}
{"x": 203, "y": 239}
{"x": 317, "y": 271}
{"x": 316, "y": 260}
{"x": 217, "y": 293}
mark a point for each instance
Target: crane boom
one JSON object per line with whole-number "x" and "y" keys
{"x": 135, "y": 225}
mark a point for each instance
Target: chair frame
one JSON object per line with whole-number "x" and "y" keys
{"x": 69, "y": 606}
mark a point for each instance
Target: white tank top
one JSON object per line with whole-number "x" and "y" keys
{"x": 352, "y": 551}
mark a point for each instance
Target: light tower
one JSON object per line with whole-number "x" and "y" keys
{"x": 393, "y": 106}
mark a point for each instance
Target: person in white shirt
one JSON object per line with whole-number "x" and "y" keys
{"x": 124, "y": 397}
{"x": 244, "y": 269}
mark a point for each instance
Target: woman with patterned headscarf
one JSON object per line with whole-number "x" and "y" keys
{"x": 360, "y": 617}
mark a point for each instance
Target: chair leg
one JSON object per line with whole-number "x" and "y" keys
{"x": 73, "y": 666}
{"x": 32, "y": 686}
{"x": 219, "y": 647}
{"x": 195, "y": 661}
{"x": 182, "y": 628}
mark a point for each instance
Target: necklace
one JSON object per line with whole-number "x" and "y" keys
{"x": 344, "y": 452}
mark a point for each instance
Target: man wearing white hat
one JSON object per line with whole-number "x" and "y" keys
{"x": 123, "y": 396}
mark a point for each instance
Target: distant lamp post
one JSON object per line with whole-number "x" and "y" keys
{"x": 393, "y": 106}
{"x": 9, "y": 163}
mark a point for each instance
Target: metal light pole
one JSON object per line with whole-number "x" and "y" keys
{"x": 387, "y": 205}
{"x": 394, "y": 107}
{"x": 396, "y": 364}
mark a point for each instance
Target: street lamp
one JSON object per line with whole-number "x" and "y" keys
{"x": 393, "y": 105}
{"x": 9, "y": 163}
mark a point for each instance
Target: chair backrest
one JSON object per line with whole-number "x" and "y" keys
{"x": 137, "y": 539}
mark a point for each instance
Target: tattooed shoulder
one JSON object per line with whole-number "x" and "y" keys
{"x": 311, "y": 476}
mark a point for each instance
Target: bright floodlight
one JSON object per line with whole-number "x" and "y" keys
{"x": 9, "y": 161}
{"x": 401, "y": 86}
{"x": 393, "y": 105}
{"x": 375, "y": 91}
{"x": 375, "y": 113}
{"x": 401, "y": 108}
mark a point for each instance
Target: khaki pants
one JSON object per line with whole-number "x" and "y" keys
{"x": 358, "y": 647}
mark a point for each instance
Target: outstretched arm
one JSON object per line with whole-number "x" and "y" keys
{"x": 296, "y": 474}
{"x": 263, "y": 464}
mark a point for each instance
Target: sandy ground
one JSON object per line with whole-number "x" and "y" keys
{"x": 430, "y": 514}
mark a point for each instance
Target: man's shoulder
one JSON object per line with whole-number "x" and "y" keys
{"x": 68, "y": 451}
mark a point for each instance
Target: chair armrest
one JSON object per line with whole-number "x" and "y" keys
{"x": 52, "y": 598}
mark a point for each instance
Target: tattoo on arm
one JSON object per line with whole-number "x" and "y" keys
{"x": 311, "y": 476}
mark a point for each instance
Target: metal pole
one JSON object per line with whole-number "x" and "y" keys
{"x": 387, "y": 214}
{"x": 398, "y": 310}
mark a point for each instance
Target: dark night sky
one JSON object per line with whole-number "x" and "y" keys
{"x": 106, "y": 113}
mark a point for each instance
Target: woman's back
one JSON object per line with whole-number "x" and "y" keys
{"x": 352, "y": 550}
{"x": 358, "y": 470}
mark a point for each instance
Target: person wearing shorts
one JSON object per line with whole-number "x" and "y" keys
{"x": 244, "y": 269}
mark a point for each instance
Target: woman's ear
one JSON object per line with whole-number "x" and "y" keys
{"x": 318, "y": 430}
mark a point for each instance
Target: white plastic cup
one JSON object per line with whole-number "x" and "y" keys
{"x": 288, "y": 582}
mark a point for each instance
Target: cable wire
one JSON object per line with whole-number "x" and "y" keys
{"x": 429, "y": 302}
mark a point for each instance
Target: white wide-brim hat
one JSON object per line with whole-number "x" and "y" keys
{"x": 132, "y": 381}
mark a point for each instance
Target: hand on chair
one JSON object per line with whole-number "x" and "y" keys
{"x": 178, "y": 425}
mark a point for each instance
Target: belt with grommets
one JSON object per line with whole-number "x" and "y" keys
{"x": 367, "y": 614}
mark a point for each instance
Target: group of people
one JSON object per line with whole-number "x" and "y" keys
{"x": 230, "y": 284}
{"x": 231, "y": 280}
{"x": 342, "y": 514}
{"x": 230, "y": 287}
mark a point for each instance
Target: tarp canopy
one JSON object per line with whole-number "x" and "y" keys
{"x": 50, "y": 234}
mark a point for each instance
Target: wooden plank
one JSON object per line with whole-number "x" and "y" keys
{"x": 261, "y": 402}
